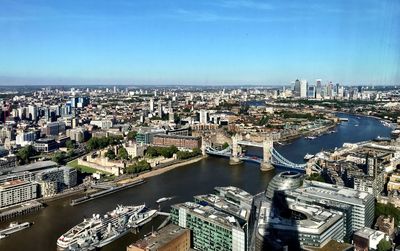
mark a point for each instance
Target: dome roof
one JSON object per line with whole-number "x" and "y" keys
{"x": 284, "y": 181}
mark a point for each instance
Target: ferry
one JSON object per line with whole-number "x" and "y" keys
{"x": 308, "y": 156}
{"x": 13, "y": 227}
{"x": 99, "y": 231}
{"x": 310, "y": 137}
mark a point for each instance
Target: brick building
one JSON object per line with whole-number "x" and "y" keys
{"x": 187, "y": 142}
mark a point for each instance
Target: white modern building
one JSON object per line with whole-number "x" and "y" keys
{"x": 303, "y": 88}
{"x": 24, "y": 138}
{"x": 357, "y": 206}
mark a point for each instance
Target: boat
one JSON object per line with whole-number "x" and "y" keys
{"x": 99, "y": 231}
{"x": 163, "y": 199}
{"x": 308, "y": 156}
{"x": 379, "y": 138}
{"x": 344, "y": 119}
{"x": 310, "y": 137}
{"x": 13, "y": 227}
{"x": 138, "y": 220}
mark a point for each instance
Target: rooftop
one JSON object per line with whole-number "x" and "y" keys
{"x": 236, "y": 193}
{"x": 35, "y": 166}
{"x": 12, "y": 183}
{"x": 209, "y": 213}
{"x": 369, "y": 233}
{"x": 157, "y": 240}
{"x": 221, "y": 203}
{"x": 334, "y": 192}
{"x": 316, "y": 219}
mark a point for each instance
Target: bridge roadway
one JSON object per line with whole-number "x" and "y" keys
{"x": 276, "y": 158}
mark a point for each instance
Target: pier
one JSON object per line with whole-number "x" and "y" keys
{"x": 105, "y": 192}
{"x": 19, "y": 210}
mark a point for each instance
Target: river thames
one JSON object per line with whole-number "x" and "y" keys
{"x": 182, "y": 183}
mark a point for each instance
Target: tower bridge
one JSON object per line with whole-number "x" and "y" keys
{"x": 271, "y": 157}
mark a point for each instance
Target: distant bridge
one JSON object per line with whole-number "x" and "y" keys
{"x": 270, "y": 154}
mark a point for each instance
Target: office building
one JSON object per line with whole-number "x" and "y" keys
{"x": 318, "y": 89}
{"x": 297, "y": 225}
{"x": 54, "y": 128}
{"x": 145, "y": 135}
{"x": 24, "y": 138}
{"x": 211, "y": 229}
{"x": 357, "y": 207}
{"x": 311, "y": 92}
{"x": 303, "y": 88}
{"x": 186, "y": 142}
{"x": 284, "y": 181}
{"x": 296, "y": 88}
{"x": 45, "y": 145}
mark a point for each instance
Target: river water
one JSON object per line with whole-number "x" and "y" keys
{"x": 183, "y": 183}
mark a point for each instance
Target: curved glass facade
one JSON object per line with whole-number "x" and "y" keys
{"x": 283, "y": 181}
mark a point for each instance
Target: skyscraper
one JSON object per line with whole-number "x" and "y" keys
{"x": 151, "y": 105}
{"x": 296, "y": 89}
{"x": 303, "y": 88}
{"x": 203, "y": 117}
{"x": 32, "y": 112}
{"x": 318, "y": 89}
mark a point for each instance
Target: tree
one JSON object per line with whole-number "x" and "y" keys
{"x": 151, "y": 151}
{"x": 387, "y": 209}
{"x": 138, "y": 167}
{"x": 225, "y": 145}
{"x": 110, "y": 154}
{"x": 103, "y": 142}
{"x": 384, "y": 245}
{"x": 25, "y": 153}
{"x": 123, "y": 154}
{"x": 186, "y": 155}
{"x": 58, "y": 157}
{"x": 70, "y": 144}
{"x": 131, "y": 135}
{"x": 316, "y": 177}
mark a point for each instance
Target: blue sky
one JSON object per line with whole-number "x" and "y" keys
{"x": 199, "y": 41}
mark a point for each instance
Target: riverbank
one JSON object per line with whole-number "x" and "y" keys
{"x": 319, "y": 130}
{"x": 162, "y": 170}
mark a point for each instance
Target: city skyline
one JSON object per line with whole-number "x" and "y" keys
{"x": 199, "y": 42}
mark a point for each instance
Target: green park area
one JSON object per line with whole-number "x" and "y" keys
{"x": 85, "y": 169}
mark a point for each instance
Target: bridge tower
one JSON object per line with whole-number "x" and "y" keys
{"x": 266, "y": 164}
{"x": 236, "y": 150}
